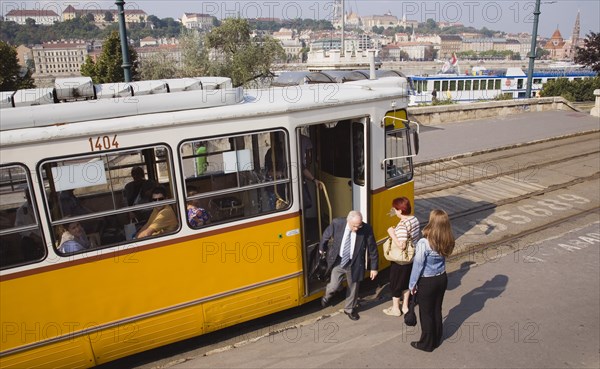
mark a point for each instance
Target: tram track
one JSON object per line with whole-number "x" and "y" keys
{"x": 489, "y": 210}
{"x": 516, "y": 199}
{"x": 482, "y": 161}
{"x": 508, "y": 147}
{"x": 510, "y": 242}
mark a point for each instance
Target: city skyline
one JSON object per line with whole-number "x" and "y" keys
{"x": 510, "y": 16}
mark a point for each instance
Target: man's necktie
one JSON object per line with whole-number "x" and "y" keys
{"x": 346, "y": 251}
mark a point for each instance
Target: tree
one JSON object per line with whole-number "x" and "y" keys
{"x": 235, "y": 55}
{"x": 109, "y": 68}
{"x": 11, "y": 75}
{"x": 159, "y": 66}
{"x": 377, "y": 30}
{"x": 192, "y": 54}
{"x": 154, "y": 21}
{"x": 578, "y": 90}
{"x": 109, "y": 17}
{"x": 431, "y": 25}
{"x": 589, "y": 54}
{"x": 541, "y": 53}
{"x": 390, "y": 32}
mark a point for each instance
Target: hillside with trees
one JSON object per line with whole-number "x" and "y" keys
{"x": 82, "y": 28}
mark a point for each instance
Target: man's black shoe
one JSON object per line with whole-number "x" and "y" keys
{"x": 353, "y": 315}
{"x": 324, "y": 302}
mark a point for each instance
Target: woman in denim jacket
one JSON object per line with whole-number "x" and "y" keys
{"x": 429, "y": 278}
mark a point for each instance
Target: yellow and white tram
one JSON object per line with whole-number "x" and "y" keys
{"x": 67, "y": 154}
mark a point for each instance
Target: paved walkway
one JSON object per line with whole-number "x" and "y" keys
{"x": 451, "y": 139}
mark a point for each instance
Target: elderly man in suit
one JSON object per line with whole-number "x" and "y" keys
{"x": 346, "y": 257}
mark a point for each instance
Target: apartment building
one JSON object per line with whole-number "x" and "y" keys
{"x": 197, "y": 21}
{"x": 60, "y": 58}
{"x": 43, "y": 17}
{"x": 449, "y": 44}
{"x": 132, "y": 15}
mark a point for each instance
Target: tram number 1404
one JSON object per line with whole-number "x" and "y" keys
{"x": 103, "y": 143}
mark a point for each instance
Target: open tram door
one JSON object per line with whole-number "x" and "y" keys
{"x": 334, "y": 153}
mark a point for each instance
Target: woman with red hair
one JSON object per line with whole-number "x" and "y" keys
{"x": 400, "y": 273}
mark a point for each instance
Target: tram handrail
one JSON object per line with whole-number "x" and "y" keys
{"x": 321, "y": 186}
{"x": 395, "y": 158}
{"x": 402, "y": 120}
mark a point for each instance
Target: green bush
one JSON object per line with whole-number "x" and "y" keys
{"x": 505, "y": 96}
{"x": 568, "y": 96}
{"x": 579, "y": 90}
{"x": 446, "y": 101}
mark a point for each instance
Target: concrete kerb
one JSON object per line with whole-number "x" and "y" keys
{"x": 486, "y": 109}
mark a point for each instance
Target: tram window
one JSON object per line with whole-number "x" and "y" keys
{"x": 461, "y": 85}
{"x": 490, "y": 84}
{"x": 419, "y": 86}
{"x": 452, "y": 85}
{"x": 102, "y": 200}
{"x": 475, "y": 85}
{"x": 436, "y": 85}
{"x": 233, "y": 176}
{"x": 358, "y": 153}
{"x": 397, "y": 146}
{"x": 444, "y": 85}
{"x": 467, "y": 85}
{"x": 20, "y": 236}
{"x": 497, "y": 84}
{"x": 537, "y": 81}
{"x": 520, "y": 83}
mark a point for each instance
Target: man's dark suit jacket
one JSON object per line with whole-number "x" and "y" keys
{"x": 365, "y": 241}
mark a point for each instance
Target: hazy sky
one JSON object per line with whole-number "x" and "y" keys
{"x": 504, "y": 15}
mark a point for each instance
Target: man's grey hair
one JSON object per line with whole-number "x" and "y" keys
{"x": 353, "y": 214}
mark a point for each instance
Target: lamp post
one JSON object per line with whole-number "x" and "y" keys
{"x": 124, "y": 45}
{"x": 532, "y": 52}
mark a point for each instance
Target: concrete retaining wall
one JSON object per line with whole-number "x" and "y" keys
{"x": 480, "y": 110}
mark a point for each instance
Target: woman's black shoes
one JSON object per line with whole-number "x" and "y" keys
{"x": 415, "y": 344}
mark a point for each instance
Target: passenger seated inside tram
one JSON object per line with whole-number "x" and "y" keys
{"x": 162, "y": 219}
{"x": 134, "y": 191}
{"x": 70, "y": 205}
{"x": 138, "y": 192}
{"x": 73, "y": 238}
{"x": 197, "y": 216}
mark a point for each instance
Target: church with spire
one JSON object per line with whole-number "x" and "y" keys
{"x": 561, "y": 49}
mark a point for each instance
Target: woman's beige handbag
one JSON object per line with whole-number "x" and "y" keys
{"x": 393, "y": 252}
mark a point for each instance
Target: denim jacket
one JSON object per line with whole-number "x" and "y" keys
{"x": 426, "y": 263}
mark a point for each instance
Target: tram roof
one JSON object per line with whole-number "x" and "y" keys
{"x": 219, "y": 103}
{"x": 329, "y": 76}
